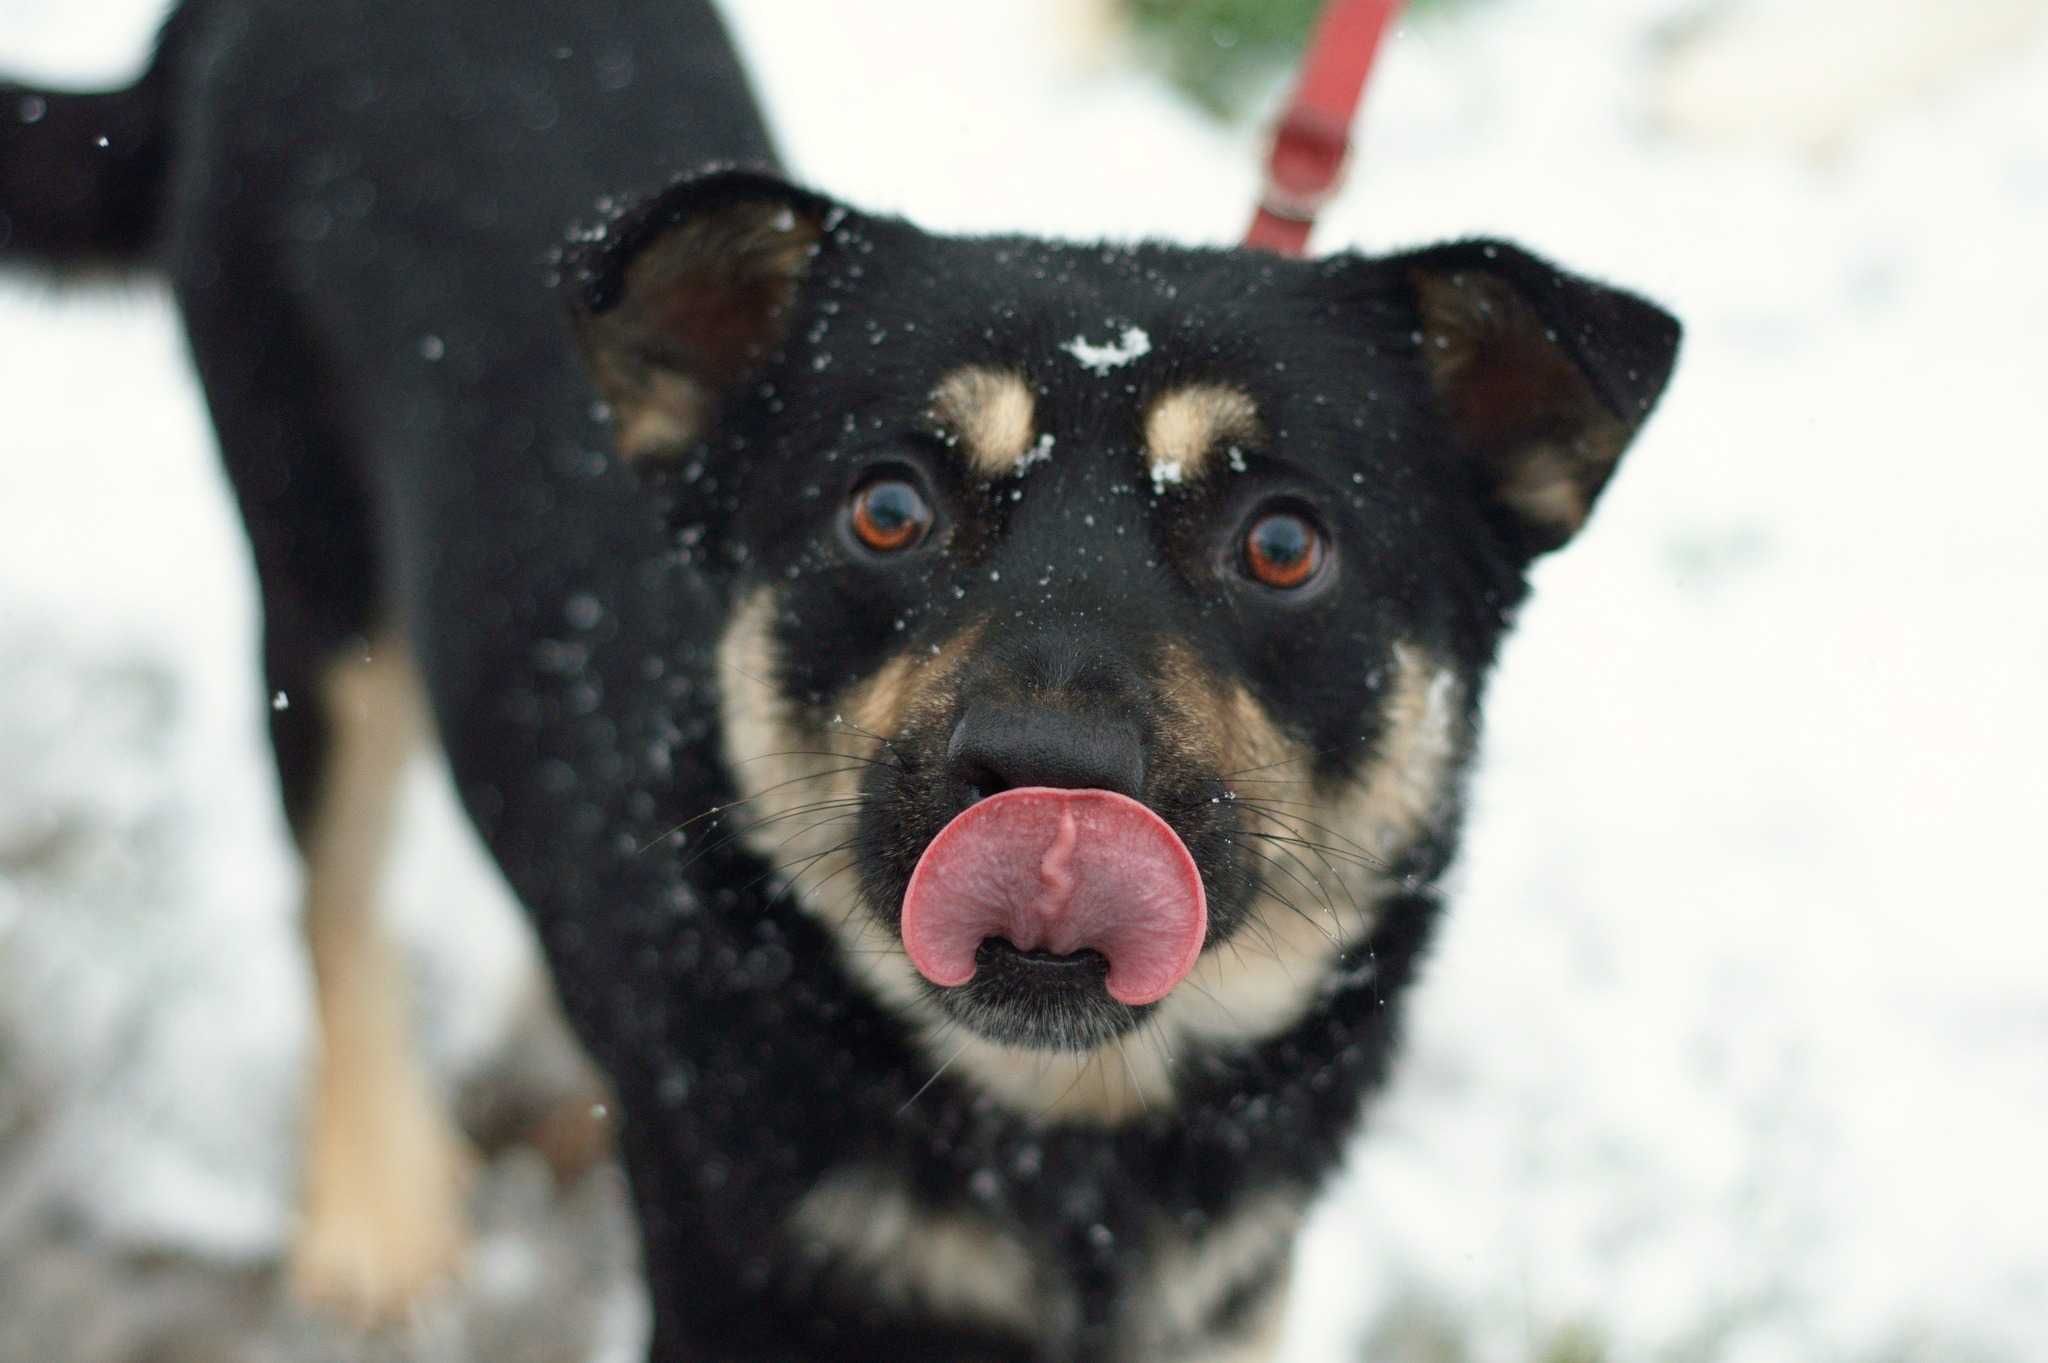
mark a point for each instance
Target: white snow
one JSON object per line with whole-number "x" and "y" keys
{"x": 1039, "y": 453}
{"x": 1132, "y": 343}
{"x": 1734, "y": 1048}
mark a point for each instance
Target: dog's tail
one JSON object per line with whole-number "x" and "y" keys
{"x": 82, "y": 175}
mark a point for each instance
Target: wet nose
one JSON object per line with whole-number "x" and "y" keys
{"x": 997, "y": 747}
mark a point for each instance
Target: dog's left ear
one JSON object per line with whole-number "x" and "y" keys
{"x": 684, "y": 296}
{"x": 1543, "y": 377}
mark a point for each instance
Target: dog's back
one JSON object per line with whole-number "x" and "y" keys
{"x": 358, "y": 206}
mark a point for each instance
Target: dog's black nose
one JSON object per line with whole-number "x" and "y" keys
{"x": 997, "y": 747}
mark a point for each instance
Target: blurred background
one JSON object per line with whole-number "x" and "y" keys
{"x": 1736, "y": 1047}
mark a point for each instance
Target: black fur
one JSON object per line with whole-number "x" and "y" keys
{"x": 82, "y": 174}
{"x": 358, "y": 219}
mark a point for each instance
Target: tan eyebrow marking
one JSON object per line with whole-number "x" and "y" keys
{"x": 1187, "y": 427}
{"x": 990, "y": 412}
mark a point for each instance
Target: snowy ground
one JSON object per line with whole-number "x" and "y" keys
{"x": 1737, "y": 1048}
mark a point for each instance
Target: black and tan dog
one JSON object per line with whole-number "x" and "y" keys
{"x": 975, "y": 722}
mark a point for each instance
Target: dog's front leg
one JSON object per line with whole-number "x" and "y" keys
{"x": 386, "y": 1169}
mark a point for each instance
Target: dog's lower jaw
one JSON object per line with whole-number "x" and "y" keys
{"x": 1024, "y": 1000}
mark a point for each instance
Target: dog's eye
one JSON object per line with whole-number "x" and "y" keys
{"x": 1283, "y": 549}
{"x": 889, "y": 515}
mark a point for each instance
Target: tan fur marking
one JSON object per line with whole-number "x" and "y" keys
{"x": 1193, "y": 1276}
{"x": 1259, "y": 987}
{"x": 781, "y": 761}
{"x": 817, "y": 760}
{"x": 1318, "y": 904}
{"x": 701, "y": 305}
{"x": 1404, "y": 788}
{"x": 1188, "y": 429}
{"x": 1106, "y": 1087}
{"x": 668, "y": 415}
{"x": 385, "y": 1168}
{"x": 1544, "y": 489}
{"x": 1263, "y": 1336}
{"x": 1485, "y": 349}
{"x": 952, "y": 1263}
{"x": 990, "y": 412}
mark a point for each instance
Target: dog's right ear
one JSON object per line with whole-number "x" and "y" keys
{"x": 684, "y": 296}
{"x": 1543, "y": 377}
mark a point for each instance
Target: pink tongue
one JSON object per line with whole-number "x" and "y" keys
{"x": 1059, "y": 871}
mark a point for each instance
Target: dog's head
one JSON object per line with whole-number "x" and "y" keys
{"x": 1105, "y": 622}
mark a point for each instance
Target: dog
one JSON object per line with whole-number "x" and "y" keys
{"x": 976, "y": 723}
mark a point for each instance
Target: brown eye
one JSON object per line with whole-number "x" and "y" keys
{"x": 889, "y": 515}
{"x": 1283, "y": 550}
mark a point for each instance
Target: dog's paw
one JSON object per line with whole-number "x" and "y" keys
{"x": 385, "y": 1221}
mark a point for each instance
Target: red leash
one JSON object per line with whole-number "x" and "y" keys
{"x": 1314, "y": 136}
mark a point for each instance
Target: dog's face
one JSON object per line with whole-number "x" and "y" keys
{"x": 1106, "y": 623}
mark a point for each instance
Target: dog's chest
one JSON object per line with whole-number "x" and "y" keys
{"x": 1212, "y": 1292}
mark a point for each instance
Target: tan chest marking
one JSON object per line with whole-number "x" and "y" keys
{"x": 954, "y": 1264}
{"x": 1194, "y": 1275}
